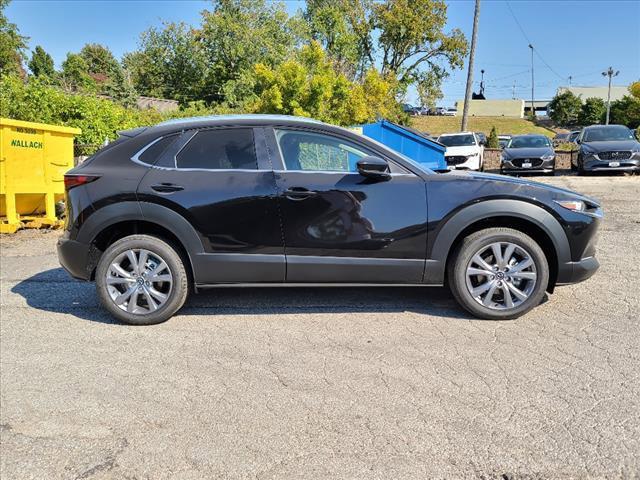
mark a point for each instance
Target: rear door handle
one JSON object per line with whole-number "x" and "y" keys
{"x": 299, "y": 193}
{"x": 167, "y": 187}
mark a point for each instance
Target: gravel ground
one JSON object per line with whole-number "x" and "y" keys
{"x": 324, "y": 383}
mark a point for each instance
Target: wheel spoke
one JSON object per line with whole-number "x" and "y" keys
{"x": 159, "y": 268}
{"x": 525, "y": 263}
{"x": 153, "y": 306}
{"x": 524, "y": 275}
{"x": 118, "y": 280}
{"x": 132, "y": 260}
{"x": 478, "y": 271}
{"x": 478, "y": 260}
{"x": 508, "y": 301}
{"x": 123, "y": 297}
{"x": 121, "y": 271}
{"x": 161, "y": 297}
{"x": 488, "y": 299}
{"x": 520, "y": 295}
{"x": 160, "y": 278}
{"x": 496, "y": 248}
{"x": 508, "y": 253}
{"x": 476, "y": 292}
{"x": 142, "y": 261}
{"x": 133, "y": 301}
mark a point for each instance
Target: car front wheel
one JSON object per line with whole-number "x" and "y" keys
{"x": 141, "y": 280}
{"x": 498, "y": 273}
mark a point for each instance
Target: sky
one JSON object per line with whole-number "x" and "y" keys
{"x": 580, "y": 39}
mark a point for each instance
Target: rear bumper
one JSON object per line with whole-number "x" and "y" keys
{"x": 576, "y": 272}
{"x": 74, "y": 257}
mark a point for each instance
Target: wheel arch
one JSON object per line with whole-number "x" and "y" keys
{"x": 517, "y": 214}
{"x": 116, "y": 221}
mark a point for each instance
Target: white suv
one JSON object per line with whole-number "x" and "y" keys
{"x": 464, "y": 151}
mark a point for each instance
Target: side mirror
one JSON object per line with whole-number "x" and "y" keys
{"x": 373, "y": 167}
{"x": 578, "y": 141}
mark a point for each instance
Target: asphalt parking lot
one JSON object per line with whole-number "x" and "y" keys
{"x": 324, "y": 383}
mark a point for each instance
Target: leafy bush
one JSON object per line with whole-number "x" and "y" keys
{"x": 592, "y": 112}
{"x": 99, "y": 118}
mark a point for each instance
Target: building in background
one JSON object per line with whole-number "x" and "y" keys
{"x": 617, "y": 92}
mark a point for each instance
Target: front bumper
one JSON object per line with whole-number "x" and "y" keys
{"x": 515, "y": 165}
{"x": 472, "y": 163}
{"x": 74, "y": 257}
{"x": 575, "y": 272}
{"x": 593, "y": 164}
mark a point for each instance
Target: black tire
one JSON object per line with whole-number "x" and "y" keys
{"x": 461, "y": 258}
{"x": 176, "y": 296}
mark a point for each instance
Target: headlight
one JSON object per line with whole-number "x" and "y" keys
{"x": 575, "y": 205}
{"x": 473, "y": 155}
{"x": 548, "y": 157}
{"x": 504, "y": 158}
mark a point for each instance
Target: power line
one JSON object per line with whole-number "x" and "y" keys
{"x": 524, "y": 34}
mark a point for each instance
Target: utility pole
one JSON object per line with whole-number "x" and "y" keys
{"x": 533, "y": 108}
{"x": 570, "y": 78}
{"x": 513, "y": 91}
{"x": 609, "y": 73}
{"x": 472, "y": 53}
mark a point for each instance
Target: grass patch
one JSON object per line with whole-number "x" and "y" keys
{"x": 504, "y": 125}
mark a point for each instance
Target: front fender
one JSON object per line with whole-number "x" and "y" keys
{"x": 446, "y": 235}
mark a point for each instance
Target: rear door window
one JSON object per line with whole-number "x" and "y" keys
{"x": 219, "y": 149}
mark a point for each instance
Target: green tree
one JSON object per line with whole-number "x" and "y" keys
{"x": 238, "y": 34}
{"x": 634, "y": 89}
{"x": 12, "y": 45}
{"x": 41, "y": 63}
{"x": 75, "y": 74}
{"x": 170, "y": 63}
{"x": 626, "y": 111}
{"x": 101, "y": 64}
{"x": 492, "y": 141}
{"x": 565, "y": 108}
{"x": 592, "y": 111}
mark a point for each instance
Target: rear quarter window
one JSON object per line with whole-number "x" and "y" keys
{"x": 220, "y": 149}
{"x": 153, "y": 152}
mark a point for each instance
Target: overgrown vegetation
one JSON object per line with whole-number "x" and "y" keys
{"x": 340, "y": 61}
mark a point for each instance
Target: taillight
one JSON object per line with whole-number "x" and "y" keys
{"x": 71, "y": 181}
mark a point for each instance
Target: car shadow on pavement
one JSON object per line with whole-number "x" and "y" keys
{"x": 54, "y": 291}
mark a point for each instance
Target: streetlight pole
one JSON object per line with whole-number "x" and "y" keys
{"x": 609, "y": 73}
{"x": 472, "y": 53}
{"x": 533, "y": 108}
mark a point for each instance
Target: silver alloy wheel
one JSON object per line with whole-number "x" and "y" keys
{"x": 501, "y": 276}
{"x": 139, "y": 281}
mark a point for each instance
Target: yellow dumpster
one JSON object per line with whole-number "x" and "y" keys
{"x": 33, "y": 160}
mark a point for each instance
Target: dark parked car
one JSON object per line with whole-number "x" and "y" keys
{"x": 607, "y": 148}
{"x": 527, "y": 154}
{"x": 482, "y": 138}
{"x": 560, "y": 138}
{"x": 573, "y": 136}
{"x": 272, "y": 200}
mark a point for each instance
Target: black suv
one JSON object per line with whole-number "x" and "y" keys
{"x": 606, "y": 148}
{"x": 263, "y": 200}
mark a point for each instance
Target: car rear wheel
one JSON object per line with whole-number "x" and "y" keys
{"x": 141, "y": 280}
{"x": 498, "y": 273}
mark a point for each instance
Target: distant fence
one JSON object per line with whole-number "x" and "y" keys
{"x": 83, "y": 150}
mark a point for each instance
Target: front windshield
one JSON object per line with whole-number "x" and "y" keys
{"x": 457, "y": 140}
{"x": 529, "y": 142}
{"x": 607, "y": 134}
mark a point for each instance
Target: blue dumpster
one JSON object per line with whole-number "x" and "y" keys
{"x": 409, "y": 142}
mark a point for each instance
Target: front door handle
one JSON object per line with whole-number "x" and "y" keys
{"x": 167, "y": 187}
{"x": 299, "y": 193}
